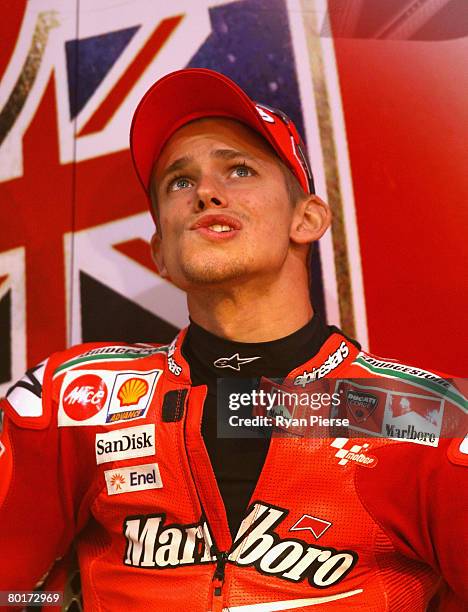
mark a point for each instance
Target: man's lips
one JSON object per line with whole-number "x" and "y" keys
{"x": 208, "y": 220}
{"x": 204, "y": 225}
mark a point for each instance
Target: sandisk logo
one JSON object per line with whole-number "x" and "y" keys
{"x": 126, "y": 443}
{"x": 357, "y": 453}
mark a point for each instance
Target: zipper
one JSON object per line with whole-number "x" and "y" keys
{"x": 218, "y": 575}
{"x": 221, "y": 557}
{"x": 218, "y": 581}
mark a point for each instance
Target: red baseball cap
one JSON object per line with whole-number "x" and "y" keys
{"x": 193, "y": 93}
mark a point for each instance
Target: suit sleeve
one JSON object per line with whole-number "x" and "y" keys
{"x": 419, "y": 497}
{"x": 37, "y": 518}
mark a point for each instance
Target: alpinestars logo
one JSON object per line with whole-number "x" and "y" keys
{"x": 333, "y": 361}
{"x": 172, "y": 364}
{"x": 234, "y": 362}
{"x": 151, "y": 543}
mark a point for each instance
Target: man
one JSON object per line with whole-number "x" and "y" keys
{"x": 116, "y": 445}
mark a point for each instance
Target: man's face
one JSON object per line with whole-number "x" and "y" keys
{"x": 223, "y": 205}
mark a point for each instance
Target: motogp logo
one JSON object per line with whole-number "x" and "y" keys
{"x": 85, "y": 397}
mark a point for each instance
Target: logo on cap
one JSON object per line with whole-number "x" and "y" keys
{"x": 264, "y": 115}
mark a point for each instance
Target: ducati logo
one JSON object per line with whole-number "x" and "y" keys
{"x": 360, "y": 404}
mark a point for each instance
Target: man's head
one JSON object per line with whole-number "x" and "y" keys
{"x": 230, "y": 184}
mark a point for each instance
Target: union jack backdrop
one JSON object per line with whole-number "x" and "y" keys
{"x": 377, "y": 89}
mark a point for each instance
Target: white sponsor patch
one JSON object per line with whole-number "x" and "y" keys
{"x": 2, "y": 448}
{"x": 26, "y": 395}
{"x": 135, "y": 478}
{"x": 126, "y": 443}
{"x": 101, "y": 397}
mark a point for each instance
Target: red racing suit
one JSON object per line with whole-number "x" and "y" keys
{"x": 101, "y": 444}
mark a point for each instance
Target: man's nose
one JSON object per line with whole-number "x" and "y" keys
{"x": 210, "y": 195}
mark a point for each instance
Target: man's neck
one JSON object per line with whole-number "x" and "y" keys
{"x": 250, "y": 312}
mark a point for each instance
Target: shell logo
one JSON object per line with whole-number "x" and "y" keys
{"x": 131, "y": 391}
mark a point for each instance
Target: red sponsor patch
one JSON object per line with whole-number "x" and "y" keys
{"x": 85, "y": 397}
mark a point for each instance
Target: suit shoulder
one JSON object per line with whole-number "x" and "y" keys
{"x": 28, "y": 402}
{"x": 96, "y": 353}
{"x": 387, "y": 366}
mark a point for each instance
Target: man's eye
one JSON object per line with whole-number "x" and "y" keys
{"x": 242, "y": 170}
{"x": 178, "y": 183}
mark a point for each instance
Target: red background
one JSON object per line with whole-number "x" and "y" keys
{"x": 406, "y": 116}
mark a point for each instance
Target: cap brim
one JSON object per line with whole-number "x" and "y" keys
{"x": 180, "y": 97}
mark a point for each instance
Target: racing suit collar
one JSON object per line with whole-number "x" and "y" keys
{"x": 332, "y": 351}
{"x": 211, "y": 357}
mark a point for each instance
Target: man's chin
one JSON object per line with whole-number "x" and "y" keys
{"x": 214, "y": 272}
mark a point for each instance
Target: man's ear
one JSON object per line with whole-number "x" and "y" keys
{"x": 156, "y": 252}
{"x": 312, "y": 218}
